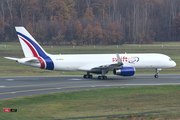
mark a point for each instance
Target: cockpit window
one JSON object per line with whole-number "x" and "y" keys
{"x": 170, "y": 59}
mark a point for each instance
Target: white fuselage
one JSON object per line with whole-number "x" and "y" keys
{"x": 138, "y": 61}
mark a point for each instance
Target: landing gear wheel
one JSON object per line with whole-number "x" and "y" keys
{"x": 99, "y": 77}
{"x": 87, "y": 76}
{"x": 102, "y": 77}
{"x": 157, "y": 72}
{"x": 90, "y": 76}
{"x": 156, "y": 76}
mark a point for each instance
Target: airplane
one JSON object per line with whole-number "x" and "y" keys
{"x": 120, "y": 64}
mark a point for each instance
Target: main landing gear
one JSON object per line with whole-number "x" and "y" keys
{"x": 88, "y": 75}
{"x": 157, "y": 73}
{"x": 103, "y": 77}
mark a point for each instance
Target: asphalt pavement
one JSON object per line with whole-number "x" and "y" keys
{"x": 12, "y": 87}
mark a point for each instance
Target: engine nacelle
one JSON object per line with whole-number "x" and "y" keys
{"x": 125, "y": 71}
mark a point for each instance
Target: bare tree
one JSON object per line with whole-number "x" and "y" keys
{"x": 88, "y": 3}
{"x": 2, "y": 8}
{"x": 10, "y": 11}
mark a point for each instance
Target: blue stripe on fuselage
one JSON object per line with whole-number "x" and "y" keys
{"x": 49, "y": 63}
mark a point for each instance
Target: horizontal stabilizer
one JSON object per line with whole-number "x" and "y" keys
{"x": 11, "y": 58}
{"x": 28, "y": 60}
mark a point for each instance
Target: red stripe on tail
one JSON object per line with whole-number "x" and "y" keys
{"x": 35, "y": 54}
{"x": 42, "y": 62}
{"x": 32, "y": 49}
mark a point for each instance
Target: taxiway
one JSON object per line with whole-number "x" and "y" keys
{"x": 11, "y": 87}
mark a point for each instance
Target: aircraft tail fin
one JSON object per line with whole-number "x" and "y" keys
{"x": 29, "y": 45}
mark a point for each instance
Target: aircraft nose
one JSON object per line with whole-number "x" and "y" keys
{"x": 173, "y": 64}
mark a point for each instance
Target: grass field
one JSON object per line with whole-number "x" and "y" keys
{"x": 11, "y": 68}
{"x": 111, "y": 101}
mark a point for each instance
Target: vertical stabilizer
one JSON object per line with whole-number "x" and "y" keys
{"x": 29, "y": 45}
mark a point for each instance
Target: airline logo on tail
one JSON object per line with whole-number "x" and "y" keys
{"x": 45, "y": 61}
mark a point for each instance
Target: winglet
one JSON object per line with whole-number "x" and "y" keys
{"x": 119, "y": 60}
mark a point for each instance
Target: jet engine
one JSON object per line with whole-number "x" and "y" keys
{"x": 125, "y": 71}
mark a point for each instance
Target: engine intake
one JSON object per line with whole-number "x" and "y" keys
{"x": 125, "y": 71}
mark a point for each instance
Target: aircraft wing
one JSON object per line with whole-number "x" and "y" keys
{"x": 100, "y": 66}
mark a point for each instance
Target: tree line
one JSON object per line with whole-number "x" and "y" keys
{"x": 92, "y": 22}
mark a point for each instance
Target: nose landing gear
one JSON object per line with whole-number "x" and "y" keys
{"x": 156, "y": 76}
{"x": 157, "y": 73}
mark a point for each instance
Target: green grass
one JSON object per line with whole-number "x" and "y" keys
{"x": 13, "y": 49}
{"x": 111, "y": 101}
